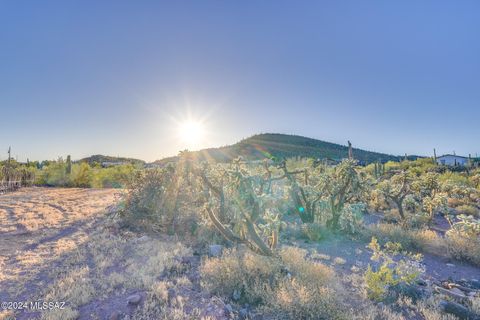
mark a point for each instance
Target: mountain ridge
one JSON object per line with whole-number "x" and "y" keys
{"x": 277, "y": 146}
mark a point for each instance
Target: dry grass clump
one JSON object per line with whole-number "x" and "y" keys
{"x": 64, "y": 314}
{"x": 288, "y": 287}
{"x": 405, "y": 308}
{"x": 476, "y": 305}
{"x": 455, "y": 202}
{"x": 313, "y": 231}
{"x": 117, "y": 265}
{"x": 462, "y": 247}
{"x": 410, "y": 239}
{"x": 164, "y": 301}
{"x": 75, "y": 287}
{"x": 468, "y": 210}
{"x": 455, "y": 244}
{"x": 144, "y": 273}
{"x": 241, "y": 275}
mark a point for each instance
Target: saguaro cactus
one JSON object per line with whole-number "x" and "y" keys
{"x": 68, "y": 169}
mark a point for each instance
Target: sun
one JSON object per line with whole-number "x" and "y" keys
{"x": 191, "y": 132}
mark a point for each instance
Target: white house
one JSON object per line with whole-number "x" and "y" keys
{"x": 452, "y": 160}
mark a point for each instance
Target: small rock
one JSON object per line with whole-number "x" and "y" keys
{"x": 472, "y": 294}
{"x": 142, "y": 239}
{"x": 456, "y": 309}
{"x": 236, "y": 295}
{"x": 355, "y": 269}
{"x": 451, "y": 265}
{"x": 421, "y": 282}
{"x": 228, "y": 308}
{"x": 134, "y": 299}
{"x": 358, "y": 251}
{"x": 457, "y": 291}
{"x": 215, "y": 250}
{"x": 115, "y": 315}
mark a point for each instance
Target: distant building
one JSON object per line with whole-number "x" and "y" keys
{"x": 452, "y": 160}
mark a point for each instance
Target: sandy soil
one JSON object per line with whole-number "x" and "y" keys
{"x": 59, "y": 245}
{"x": 37, "y": 225}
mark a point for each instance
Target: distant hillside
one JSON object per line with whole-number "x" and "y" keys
{"x": 101, "y": 159}
{"x": 272, "y": 145}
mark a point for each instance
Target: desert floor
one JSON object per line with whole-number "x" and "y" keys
{"x": 65, "y": 246}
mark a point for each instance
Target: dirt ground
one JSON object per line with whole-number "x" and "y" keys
{"x": 63, "y": 246}
{"x": 60, "y": 246}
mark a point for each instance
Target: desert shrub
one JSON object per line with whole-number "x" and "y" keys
{"x": 242, "y": 276}
{"x": 454, "y": 178}
{"x": 463, "y": 239}
{"x": 390, "y": 272}
{"x": 151, "y": 200}
{"x": 313, "y": 231}
{"x": 55, "y": 174}
{"x": 14, "y": 171}
{"x": 287, "y": 288}
{"x": 62, "y": 173}
{"x": 376, "y": 201}
{"x": 411, "y": 239}
{"x": 112, "y": 177}
{"x": 467, "y": 210}
{"x": 81, "y": 176}
{"x": 476, "y": 305}
{"x": 392, "y": 166}
{"x": 455, "y": 202}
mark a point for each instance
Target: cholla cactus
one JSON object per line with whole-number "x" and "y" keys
{"x": 428, "y": 189}
{"x": 467, "y": 226}
{"x": 303, "y": 192}
{"x": 396, "y": 189}
{"x": 239, "y": 207}
{"x": 339, "y": 186}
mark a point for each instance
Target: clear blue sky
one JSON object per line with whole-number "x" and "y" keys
{"x": 114, "y": 77}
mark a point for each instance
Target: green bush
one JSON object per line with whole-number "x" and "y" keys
{"x": 112, "y": 177}
{"x": 390, "y": 272}
{"x": 81, "y": 176}
{"x": 152, "y": 199}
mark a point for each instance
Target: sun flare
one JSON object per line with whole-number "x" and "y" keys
{"x": 191, "y": 132}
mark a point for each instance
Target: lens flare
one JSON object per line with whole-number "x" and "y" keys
{"x": 191, "y": 132}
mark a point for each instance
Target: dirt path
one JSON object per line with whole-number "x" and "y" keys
{"x": 348, "y": 256}
{"x": 37, "y": 225}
